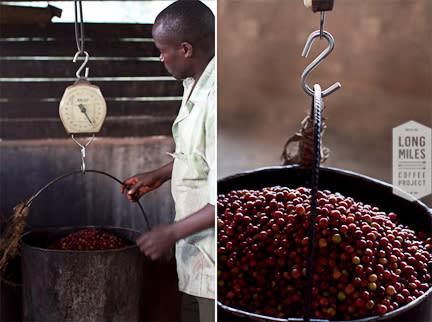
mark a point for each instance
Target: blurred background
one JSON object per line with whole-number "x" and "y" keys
{"x": 382, "y": 57}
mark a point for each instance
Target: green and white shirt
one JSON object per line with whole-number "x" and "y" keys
{"x": 193, "y": 181}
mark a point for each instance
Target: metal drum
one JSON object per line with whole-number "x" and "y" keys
{"x": 70, "y": 285}
{"x": 368, "y": 190}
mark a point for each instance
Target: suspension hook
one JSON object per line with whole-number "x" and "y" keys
{"x": 317, "y": 61}
{"x": 86, "y": 59}
{"x": 83, "y": 151}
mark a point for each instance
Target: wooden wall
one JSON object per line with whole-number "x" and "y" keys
{"x": 36, "y": 66}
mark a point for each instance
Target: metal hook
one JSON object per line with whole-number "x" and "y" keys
{"x": 82, "y": 65}
{"x": 83, "y": 151}
{"x": 317, "y": 61}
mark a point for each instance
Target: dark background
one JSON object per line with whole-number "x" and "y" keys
{"x": 382, "y": 57}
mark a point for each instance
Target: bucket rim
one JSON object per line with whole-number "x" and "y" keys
{"x": 326, "y": 169}
{"x": 388, "y": 315}
{"x": 76, "y": 228}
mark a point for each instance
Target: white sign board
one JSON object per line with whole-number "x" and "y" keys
{"x": 412, "y": 158}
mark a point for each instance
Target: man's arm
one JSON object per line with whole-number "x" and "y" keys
{"x": 158, "y": 241}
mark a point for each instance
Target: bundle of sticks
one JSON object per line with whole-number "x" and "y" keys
{"x": 298, "y": 149}
{"x": 11, "y": 236}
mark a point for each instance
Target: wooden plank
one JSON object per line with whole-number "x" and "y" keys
{"x": 27, "y": 108}
{"x": 69, "y": 0}
{"x": 137, "y": 127}
{"x": 113, "y": 127}
{"x": 93, "y": 30}
{"x": 156, "y": 108}
{"x": 108, "y": 48}
{"x": 55, "y": 89}
{"x": 66, "y": 68}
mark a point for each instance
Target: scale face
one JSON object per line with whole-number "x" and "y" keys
{"x": 82, "y": 108}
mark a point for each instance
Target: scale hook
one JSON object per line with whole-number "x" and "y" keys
{"x": 317, "y": 61}
{"x": 82, "y": 65}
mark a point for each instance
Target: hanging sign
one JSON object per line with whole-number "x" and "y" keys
{"x": 412, "y": 160}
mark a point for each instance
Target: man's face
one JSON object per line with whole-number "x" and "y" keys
{"x": 171, "y": 52}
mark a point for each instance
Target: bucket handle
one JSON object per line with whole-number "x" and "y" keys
{"x": 30, "y": 200}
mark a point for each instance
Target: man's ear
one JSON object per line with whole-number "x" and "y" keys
{"x": 187, "y": 49}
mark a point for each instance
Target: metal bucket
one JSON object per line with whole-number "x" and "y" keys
{"x": 362, "y": 188}
{"x": 68, "y": 285}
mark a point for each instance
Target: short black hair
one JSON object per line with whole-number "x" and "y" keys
{"x": 191, "y": 21}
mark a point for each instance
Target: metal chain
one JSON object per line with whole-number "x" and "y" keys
{"x": 316, "y": 114}
{"x": 79, "y": 34}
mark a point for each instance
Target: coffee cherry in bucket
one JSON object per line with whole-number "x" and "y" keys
{"x": 89, "y": 239}
{"x": 366, "y": 262}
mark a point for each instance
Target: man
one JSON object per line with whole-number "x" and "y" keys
{"x": 184, "y": 33}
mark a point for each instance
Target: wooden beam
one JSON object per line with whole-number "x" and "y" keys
{"x": 108, "y": 48}
{"x": 29, "y": 108}
{"x": 66, "y": 68}
{"x": 113, "y": 127}
{"x": 55, "y": 89}
{"x": 91, "y": 30}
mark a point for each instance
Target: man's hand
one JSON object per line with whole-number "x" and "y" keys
{"x": 158, "y": 241}
{"x": 140, "y": 184}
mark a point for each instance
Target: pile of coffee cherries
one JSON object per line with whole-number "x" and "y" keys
{"x": 366, "y": 263}
{"x": 89, "y": 239}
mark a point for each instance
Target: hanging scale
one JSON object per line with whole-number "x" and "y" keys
{"x": 82, "y": 108}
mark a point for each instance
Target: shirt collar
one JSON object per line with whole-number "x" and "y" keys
{"x": 205, "y": 84}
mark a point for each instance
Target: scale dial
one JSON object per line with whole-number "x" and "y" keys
{"x": 82, "y": 108}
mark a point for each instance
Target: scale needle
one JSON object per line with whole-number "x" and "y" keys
{"x": 83, "y": 110}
